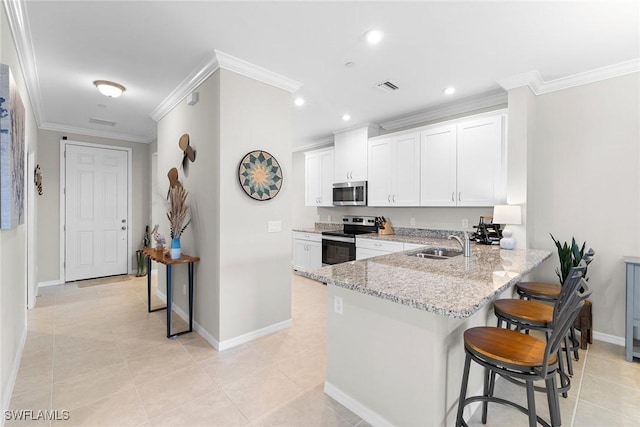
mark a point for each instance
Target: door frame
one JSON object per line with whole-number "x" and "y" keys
{"x": 63, "y": 199}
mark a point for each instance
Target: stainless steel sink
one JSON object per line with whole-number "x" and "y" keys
{"x": 437, "y": 253}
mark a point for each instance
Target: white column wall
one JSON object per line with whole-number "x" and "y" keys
{"x": 585, "y": 182}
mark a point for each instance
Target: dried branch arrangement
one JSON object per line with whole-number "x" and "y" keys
{"x": 178, "y": 210}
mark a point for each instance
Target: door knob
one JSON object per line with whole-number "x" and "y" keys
{"x": 124, "y": 227}
{"x": 124, "y": 220}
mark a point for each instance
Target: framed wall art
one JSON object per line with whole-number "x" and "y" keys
{"x": 260, "y": 175}
{"x": 12, "y": 152}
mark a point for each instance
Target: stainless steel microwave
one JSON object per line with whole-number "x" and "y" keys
{"x": 350, "y": 193}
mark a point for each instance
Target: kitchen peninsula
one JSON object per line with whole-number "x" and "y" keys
{"x": 394, "y": 328}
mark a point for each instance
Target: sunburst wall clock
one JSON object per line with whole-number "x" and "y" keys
{"x": 260, "y": 175}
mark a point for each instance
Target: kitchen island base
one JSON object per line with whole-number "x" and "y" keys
{"x": 394, "y": 365}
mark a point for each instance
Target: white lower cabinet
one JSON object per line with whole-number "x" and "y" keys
{"x": 409, "y": 246}
{"x": 307, "y": 251}
{"x": 367, "y": 248}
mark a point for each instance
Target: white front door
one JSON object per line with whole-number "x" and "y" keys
{"x": 96, "y": 209}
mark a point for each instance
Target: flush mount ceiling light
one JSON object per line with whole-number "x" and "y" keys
{"x": 346, "y": 117}
{"x": 374, "y": 36}
{"x": 299, "y": 102}
{"x": 450, "y": 91}
{"x": 110, "y": 89}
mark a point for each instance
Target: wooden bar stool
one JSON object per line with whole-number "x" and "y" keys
{"x": 522, "y": 358}
{"x": 549, "y": 292}
{"x": 529, "y": 314}
{"x": 526, "y": 315}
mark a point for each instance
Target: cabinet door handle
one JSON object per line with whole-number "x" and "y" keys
{"x": 453, "y": 197}
{"x": 393, "y": 198}
{"x": 459, "y": 196}
{"x": 389, "y": 198}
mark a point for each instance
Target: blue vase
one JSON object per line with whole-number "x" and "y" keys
{"x": 176, "y": 252}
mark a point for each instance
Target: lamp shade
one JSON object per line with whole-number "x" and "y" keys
{"x": 507, "y": 214}
{"x": 110, "y": 89}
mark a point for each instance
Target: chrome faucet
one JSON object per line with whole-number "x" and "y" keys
{"x": 466, "y": 245}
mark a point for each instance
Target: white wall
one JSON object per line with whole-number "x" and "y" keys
{"x": 48, "y": 220}
{"x": 521, "y": 126}
{"x": 243, "y": 281}
{"x": 13, "y": 243}
{"x": 584, "y": 181}
{"x": 202, "y": 236}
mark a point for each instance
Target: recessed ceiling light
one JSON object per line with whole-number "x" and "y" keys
{"x": 374, "y": 36}
{"x": 346, "y": 117}
{"x": 110, "y": 89}
{"x": 450, "y": 91}
{"x": 299, "y": 102}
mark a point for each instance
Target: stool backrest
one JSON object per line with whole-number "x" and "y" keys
{"x": 566, "y": 308}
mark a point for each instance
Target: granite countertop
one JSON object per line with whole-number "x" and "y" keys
{"x": 320, "y": 227}
{"x": 455, "y": 287}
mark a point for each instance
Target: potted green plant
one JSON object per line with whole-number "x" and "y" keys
{"x": 569, "y": 256}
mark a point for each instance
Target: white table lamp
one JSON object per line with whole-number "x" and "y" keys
{"x": 508, "y": 215}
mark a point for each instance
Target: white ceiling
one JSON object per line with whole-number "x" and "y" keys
{"x": 152, "y": 46}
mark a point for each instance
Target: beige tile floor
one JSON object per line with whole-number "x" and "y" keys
{"x": 97, "y": 353}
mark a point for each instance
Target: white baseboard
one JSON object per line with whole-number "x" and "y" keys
{"x": 49, "y": 283}
{"x": 8, "y": 392}
{"x": 233, "y": 342}
{"x": 611, "y": 339}
{"x": 377, "y": 420}
{"x": 250, "y": 336}
{"x": 363, "y": 411}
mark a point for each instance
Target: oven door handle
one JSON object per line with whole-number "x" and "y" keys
{"x": 339, "y": 239}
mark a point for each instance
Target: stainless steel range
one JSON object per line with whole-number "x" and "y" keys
{"x": 340, "y": 246}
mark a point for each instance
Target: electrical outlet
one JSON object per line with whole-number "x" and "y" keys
{"x": 184, "y": 289}
{"x": 412, "y": 221}
{"x": 337, "y": 304}
{"x": 465, "y": 223}
{"x": 329, "y": 218}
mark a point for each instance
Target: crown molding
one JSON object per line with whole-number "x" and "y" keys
{"x": 255, "y": 72}
{"x": 188, "y": 85}
{"x": 533, "y": 79}
{"x": 372, "y": 126}
{"x": 461, "y": 107}
{"x": 318, "y": 143}
{"x": 210, "y": 66}
{"x": 21, "y": 32}
{"x": 97, "y": 133}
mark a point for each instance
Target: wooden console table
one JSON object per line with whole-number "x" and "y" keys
{"x": 162, "y": 258}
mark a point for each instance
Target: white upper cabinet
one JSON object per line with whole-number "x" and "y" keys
{"x": 480, "y": 175}
{"x": 438, "y": 167}
{"x": 462, "y": 164}
{"x": 379, "y": 191}
{"x": 319, "y": 177}
{"x": 351, "y": 154}
{"x": 394, "y": 170}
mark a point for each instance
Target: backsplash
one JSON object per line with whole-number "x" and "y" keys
{"x": 328, "y": 226}
{"x": 425, "y": 232}
{"x": 400, "y": 231}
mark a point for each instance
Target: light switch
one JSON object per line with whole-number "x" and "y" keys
{"x": 275, "y": 226}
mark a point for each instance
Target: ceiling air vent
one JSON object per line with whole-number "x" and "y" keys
{"x": 387, "y": 86}
{"x": 102, "y": 122}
